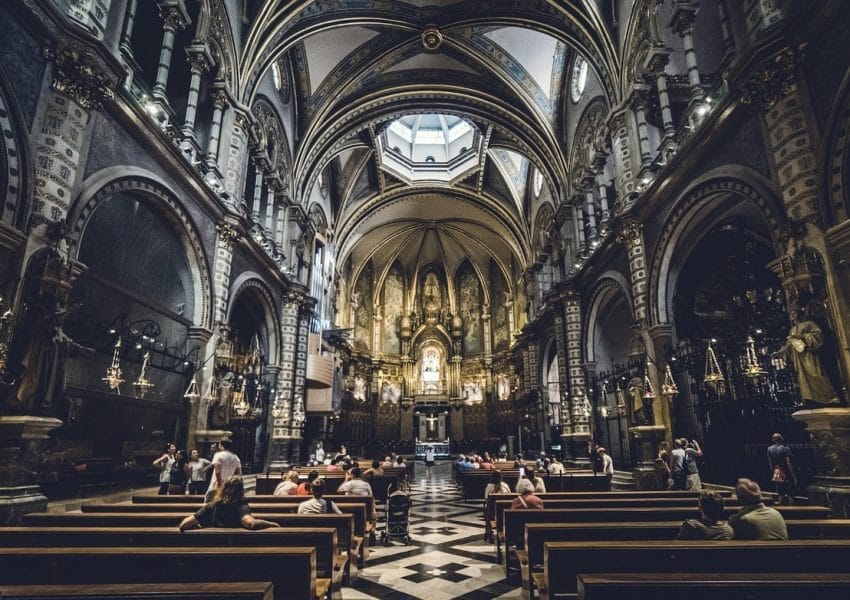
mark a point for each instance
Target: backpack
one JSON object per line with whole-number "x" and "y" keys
{"x": 778, "y": 475}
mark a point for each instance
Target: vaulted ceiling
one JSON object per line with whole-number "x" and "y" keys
{"x": 499, "y": 65}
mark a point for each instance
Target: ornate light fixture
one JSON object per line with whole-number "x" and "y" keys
{"x": 752, "y": 367}
{"x": 669, "y": 387}
{"x": 621, "y": 401}
{"x": 212, "y": 392}
{"x": 192, "y": 394}
{"x": 113, "y": 371}
{"x": 241, "y": 408}
{"x": 143, "y": 385}
{"x": 713, "y": 375}
{"x": 648, "y": 390}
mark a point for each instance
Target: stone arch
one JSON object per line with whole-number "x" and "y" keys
{"x": 715, "y": 196}
{"x": 836, "y": 174}
{"x": 273, "y": 138}
{"x": 214, "y": 27}
{"x": 112, "y": 180}
{"x": 544, "y": 228}
{"x": 609, "y": 285}
{"x": 251, "y": 282}
{"x": 14, "y": 160}
{"x": 587, "y": 141}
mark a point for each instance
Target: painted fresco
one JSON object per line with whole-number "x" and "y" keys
{"x": 501, "y": 323}
{"x": 361, "y": 303}
{"x": 470, "y": 311}
{"x": 393, "y": 309}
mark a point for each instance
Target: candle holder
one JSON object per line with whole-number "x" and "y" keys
{"x": 143, "y": 385}
{"x": 113, "y": 371}
{"x": 713, "y": 374}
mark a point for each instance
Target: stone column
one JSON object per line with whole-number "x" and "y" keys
{"x": 199, "y": 62}
{"x": 656, "y": 63}
{"x": 682, "y": 23}
{"x": 220, "y": 102}
{"x": 579, "y": 220}
{"x": 580, "y": 423}
{"x": 565, "y": 408}
{"x": 829, "y": 429}
{"x": 258, "y": 193}
{"x": 726, "y": 32}
{"x": 639, "y": 105}
{"x": 621, "y": 150}
{"x": 281, "y": 216}
{"x": 129, "y": 22}
{"x": 174, "y": 18}
{"x": 235, "y": 158}
{"x": 590, "y": 211}
{"x": 268, "y": 217}
{"x": 631, "y": 235}
{"x": 605, "y": 213}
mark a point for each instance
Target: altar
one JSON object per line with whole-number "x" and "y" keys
{"x": 441, "y": 449}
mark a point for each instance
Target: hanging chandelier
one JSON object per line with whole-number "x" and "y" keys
{"x": 113, "y": 371}
{"x": 669, "y": 387}
{"x": 752, "y": 367}
{"x": 143, "y": 385}
{"x": 212, "y": 392}
{"x": 621, "y": 401}
{"x": 648, "y": 390}
{"x": 241, "y": 408}
{"x": 192, "y": 394}
{"x": 713, "y": 375}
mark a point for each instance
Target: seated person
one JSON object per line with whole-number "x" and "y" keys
{"x": 354, "y": 484}
{"x": 755, "y": 521}
{"x": 227, "y": 509}
{"x": 496, "y": 485}
{"x": 707, "y": 527}
{"x": 375, "y": 469}
{"x": 317, "y": 504}
{"x": 555, "y": 467}
{"x": 527, "y": 499}
{"x": 289, "y": 485}
{"x": 304, "y": 487}
{"x": 388, "y": 462}
{"x": 530, "y": 480}
{"x": 519, "y": 461}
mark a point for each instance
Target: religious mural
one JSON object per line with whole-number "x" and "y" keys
{"x": 470, "y": 310}
{"x": 393, "y": 310}
{"x": 501, "y": 322}
{"x": 361, "y": 305}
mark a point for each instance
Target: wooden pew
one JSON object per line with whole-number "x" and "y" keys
{"x": 292, "y": 571}
{"x": 537, "y": 534}
{"x": 514, "y": 521}
{"x": 708, "y": 586}
{"x": 473, "y": 483}
{"x": 330, "y": 563}
{"x": 362, "y": 525}
{"x": 564, "y": 561}
{"x": 344, "y": 525}
{"x": 166, "y": 591}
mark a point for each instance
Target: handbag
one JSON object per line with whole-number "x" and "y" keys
{"x": 778, "y": 475}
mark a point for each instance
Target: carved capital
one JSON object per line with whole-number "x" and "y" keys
{"x": 684, "y": 15}
{"x": 220, "y": 99}
{"x": 228, "y": 235}
{"x": 75, "y": 75}
{"x": 630, "y": 234}
{"x": 173, "y": 19}
{"x": 198, "y": 63}
{"x": 772, "y": 81}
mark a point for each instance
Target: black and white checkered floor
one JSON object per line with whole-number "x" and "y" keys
{"x": 447, "y": 558}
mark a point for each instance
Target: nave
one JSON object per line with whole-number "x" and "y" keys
{"x": 447, "y": 558}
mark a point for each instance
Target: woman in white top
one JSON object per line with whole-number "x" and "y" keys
{"x": 288, "y": 486}
{"x": 496, "y": 486}
{"x": 198, "y": 473}
{"x": 164, "y": 464}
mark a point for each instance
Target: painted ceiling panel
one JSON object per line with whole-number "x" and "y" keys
{"x": 430, "y": 61}
{"x": 326, "y": 49}
{"x": 533, "y": 50}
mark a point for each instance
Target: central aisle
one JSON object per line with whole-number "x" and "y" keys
{"x": 447, "y": 559}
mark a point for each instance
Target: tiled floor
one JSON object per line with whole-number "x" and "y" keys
{"x": 447, "y": 557}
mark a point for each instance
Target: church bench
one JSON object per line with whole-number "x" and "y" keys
{"x": 292, "y": 571}
{"x": 565, "y": 561}
{"x": 537, "y": 534}
{"x": 343, "y": 524}
{"x": 166, "y": 591}
{"x": 329, "y": 562}
{"x": 473, "y": 483}
{"x": 708, "y": 586}
{"x": 369, "y": 501}
{"x": 514, "y": 521}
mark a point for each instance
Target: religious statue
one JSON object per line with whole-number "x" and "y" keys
{"x": 641, "y": 407}
{"x": 802, "y": 345}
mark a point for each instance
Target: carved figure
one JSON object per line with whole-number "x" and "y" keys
{"x": 802, "y": 345}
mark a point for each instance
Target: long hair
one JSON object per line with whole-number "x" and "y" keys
{"x": 231, "y": 492}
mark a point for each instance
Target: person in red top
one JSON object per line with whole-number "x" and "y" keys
{"x": 527, "y": 500}
{"x": 303, "y": 488}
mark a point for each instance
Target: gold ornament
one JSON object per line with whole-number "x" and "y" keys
{"x": 713, "y": 375}
{"x": 113, "y": 371}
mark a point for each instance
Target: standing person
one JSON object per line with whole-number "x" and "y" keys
{"x": 662, "y": 467}
{"x": 607, "y": 466}
{"x": 225, "y": 465}
{"x": 197, "y": 473}
{"x": 781, "y": 469}
{"x": 692, "y": 453}
{"x": 677, "y": 465}
{"x": 755, "y": 521}
{"x": 227, "y": 509}
{"x": 320, "y": 454}
{"x": 708, "y": 526}
{"x": 164, "y": 464}
{"x": 429, "y": 460}
{"x": 179, "y": 476}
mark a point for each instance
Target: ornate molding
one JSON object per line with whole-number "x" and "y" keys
{"x": 77, "y": 76}
{"x": 775, "y": 79}
{"x": 630, "y": 234}
{"x": 431, "y": 38}
{"x": 228, "y": 235}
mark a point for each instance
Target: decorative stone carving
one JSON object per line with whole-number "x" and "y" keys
{"x": 630, "y": 234}
{"x": 228, "y": 235}
{"x": 77, "y": 77}
{"x": 431, "y": 38}
{"x": 774, "y": 80}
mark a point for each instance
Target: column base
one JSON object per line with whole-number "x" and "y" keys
{"x": 829, "y": 429}
{"x": 576, "y": 449}
{"x": 17, "y": 501}
{"x": 647, "y": 438}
